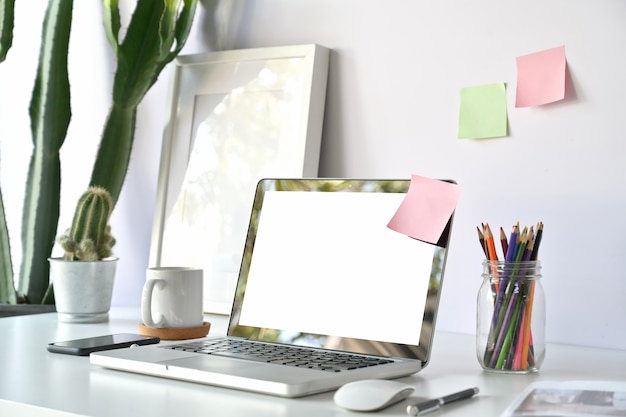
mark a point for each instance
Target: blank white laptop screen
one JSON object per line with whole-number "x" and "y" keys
{"x": 317, "y": 253}
{"x": 321, "y": 268}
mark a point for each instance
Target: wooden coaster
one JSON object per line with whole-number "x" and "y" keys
{"x": 175, "y": 333}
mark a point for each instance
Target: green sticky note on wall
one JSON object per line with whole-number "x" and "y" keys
{"x": 483, "y": 112}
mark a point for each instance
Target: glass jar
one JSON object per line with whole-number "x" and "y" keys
{"x": 510, "y": 317}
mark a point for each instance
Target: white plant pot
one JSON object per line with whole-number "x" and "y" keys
{"x": 83, "y": 290}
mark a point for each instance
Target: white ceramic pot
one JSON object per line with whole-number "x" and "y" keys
{"x": 83, "y": 290}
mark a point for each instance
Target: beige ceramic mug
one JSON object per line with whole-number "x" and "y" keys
{"x": 172, "y": 297}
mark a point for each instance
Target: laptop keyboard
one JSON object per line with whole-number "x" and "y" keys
{"x": 282, "y": 355}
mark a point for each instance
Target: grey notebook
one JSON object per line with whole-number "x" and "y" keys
{"x": 328, "y": 291}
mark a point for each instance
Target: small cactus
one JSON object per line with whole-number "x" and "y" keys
{"x": 89, "y": 238}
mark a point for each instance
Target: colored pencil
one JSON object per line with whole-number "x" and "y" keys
{"x": 510, "y": 253}
{"x": 529, "y": 246}
{"x": 538, "y": 236}
{"x": 503, "y": 241}
{"x": 491, "y": 247}
{"x": 527, "y": 346}
{"x": 526, "y": 336}
{"x": 481, "y": 239}
{"x": 519, "y": 348}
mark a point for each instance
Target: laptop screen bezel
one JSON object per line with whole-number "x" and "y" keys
{"x": 376, "y": 348}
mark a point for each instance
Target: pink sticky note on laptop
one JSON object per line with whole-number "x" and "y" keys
{"x": 541, "y": 77}
{"x": 426, "y": 209}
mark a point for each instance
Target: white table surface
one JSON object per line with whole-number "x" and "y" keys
{"x": 34, "y": 381}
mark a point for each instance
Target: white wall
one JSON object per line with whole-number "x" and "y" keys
{"x": 392, "y": 108}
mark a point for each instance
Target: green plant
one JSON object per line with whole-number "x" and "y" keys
{"x": 50, "y": 116}
{"x": 156, "y": 33}
{"x": 7, "y": 289}
{"x": 7, "y": 8}
{"x": 89, "y": 238}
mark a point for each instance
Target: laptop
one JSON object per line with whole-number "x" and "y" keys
{"x": 321, "y": 276}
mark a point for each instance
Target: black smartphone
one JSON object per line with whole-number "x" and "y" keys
{"x": 83, "y": 347}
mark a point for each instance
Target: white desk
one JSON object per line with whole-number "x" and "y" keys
{"x": 34, "y": 381}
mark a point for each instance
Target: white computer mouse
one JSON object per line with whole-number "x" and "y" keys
{"x": 371, "y": 394}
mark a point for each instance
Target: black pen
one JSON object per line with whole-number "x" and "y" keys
{"x": 432, "y": 405}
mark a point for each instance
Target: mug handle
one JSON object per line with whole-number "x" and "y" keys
{"x": 146, "y": 303}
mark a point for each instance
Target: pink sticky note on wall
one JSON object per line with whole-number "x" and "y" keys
{"x": 541, "y": 77}
{"x": 426, "y": 209}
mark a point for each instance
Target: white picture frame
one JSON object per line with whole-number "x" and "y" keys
{"x": 233, "y": 117}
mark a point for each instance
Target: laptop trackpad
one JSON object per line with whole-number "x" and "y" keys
{"x": 210, "y": 363}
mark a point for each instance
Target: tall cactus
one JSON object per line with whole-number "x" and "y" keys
{"x": 7, "y": 286}
{"x": 89, "y": 238}
{"x": 7, "y": 15}
{"x": 50, "y": 116}
{"x": 156, "y": 33}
